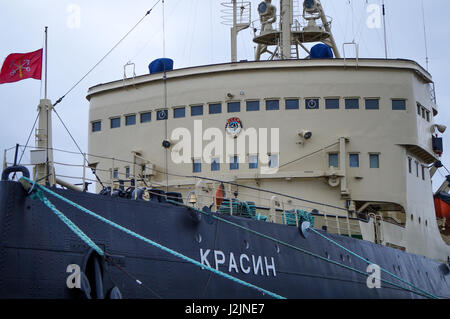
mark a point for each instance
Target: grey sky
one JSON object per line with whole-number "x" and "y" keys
{"x": 194, "y": 36}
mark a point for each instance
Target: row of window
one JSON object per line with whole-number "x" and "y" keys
{"x": 422, "y": 111}
{"x": 354, "y": 160}
{"x": 417, "y": 169}
{"x": 252, "y": 106}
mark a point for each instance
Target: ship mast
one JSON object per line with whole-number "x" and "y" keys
{"x": 295, "y": 29}
{"x": 43, "y": 157}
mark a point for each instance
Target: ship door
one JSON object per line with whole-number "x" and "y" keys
{"x": 378, "y": 228}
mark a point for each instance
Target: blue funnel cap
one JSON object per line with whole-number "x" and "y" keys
{"x": 321, "y": 51}
{"x": 161, "y": 65}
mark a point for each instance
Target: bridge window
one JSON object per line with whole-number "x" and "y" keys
{"x": 332, "y": 104}
{"x": 374, "y": 160}
{"x": 116, "y": 173}
{"x": 127, "y": 172}
{"x": 419, "y": 109}
{"x": 399, "y": 105}
{"x": 130, "y": 120}
{"x": 351, "y": 104}
{"x": 410, "y": 165}
{"x": 372, "y": 104}
{"x": 273, "y": 161}
{"x": 333, "y": 160}
{"x": 354, "y": 160}
{"x": 272, "y": 105}
{"x": 197, "y": 165}
{"x": 215, "y": 164}
{"x": 215, "y": 108}
{"x": 162, "y": 115}
{"x": 292, "y": 104}
{"x": 253, "y": 161}
{"x": 115, "y": 122}
{"x": 423, "y": 172}
{"x": 146, "y": 117}
{"x": 312, "y": 104}
{"x": 179, "y": 112}
{"x": 252, "y": 106}
{"x": 196, "y": 110}
{"x": 234, "y": 107}
{"x": 234, "y": 162}
{"x": 96, "y": 126}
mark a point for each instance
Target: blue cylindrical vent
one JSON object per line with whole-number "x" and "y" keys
{"x": 321, "y": 51}
{"x": 160, "y": 65}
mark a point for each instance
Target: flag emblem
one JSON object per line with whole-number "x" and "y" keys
{"x": 21, "y": 66}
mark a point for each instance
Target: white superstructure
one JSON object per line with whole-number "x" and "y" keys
{"x": 352, "y": 133}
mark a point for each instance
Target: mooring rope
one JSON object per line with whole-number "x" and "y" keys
{"x": 86, "y": 239}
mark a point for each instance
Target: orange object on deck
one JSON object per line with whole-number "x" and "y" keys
{"x": 220, "y": 195}
{"x": 442, "y": 208}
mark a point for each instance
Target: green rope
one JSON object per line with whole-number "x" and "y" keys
{"x": 38, "y": 194}
{"x": 368, "y": 262}
{"x": 129, "y": 232}
{"x": 427, "y": 295}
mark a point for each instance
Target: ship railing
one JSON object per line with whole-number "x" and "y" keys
{"x": 273, "y": 207}
{"x": 299, "y": 24}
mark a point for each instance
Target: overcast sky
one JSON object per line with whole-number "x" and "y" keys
{"x": 82, "y": 31}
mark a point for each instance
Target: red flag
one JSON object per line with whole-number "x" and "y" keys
{"x": 21, "y": 66}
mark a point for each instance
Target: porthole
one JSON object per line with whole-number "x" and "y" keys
{"x": 246, "y": 244}
{"x": 198, "y": 238}
{"x": 412, "y": 217}
{"x": 348, "y": 258}
{"x": 342, "y": 257}
{"x": 426, "y": 222}
{"x": 327, "y": 255}
{"x": 277, "y": 249}
{"x": 420, "y": 220}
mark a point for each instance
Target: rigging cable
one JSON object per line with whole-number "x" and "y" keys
{"x": 104, "y": 57}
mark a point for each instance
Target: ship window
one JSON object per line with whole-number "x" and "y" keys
{"x": 423, "y": 172}
{"x": 127, "y": 172}
{"x": 130, "y": 120}
{"x": 272, "y": 105}
{"x": 215, "y": 164}
{"x": 115, "y": 123}
{"x": 333, "y": 160}
{"x": 428, "y": 116}
{"x": 196, "y": 110}
{"x": 234, "y": 107}
{"x": 419, "y": 109}
{"x": 116, "y": 173}
{"x": 252, "y": 106}
{"x": 292, "y": 104}
{"x": 410, "y": 164}
{"x": 253, "y": 162}
{"x": 215, "y": 108}
{"x": 372, "y": 104}
{"x": 351, "y": 104}
{"x": 374, "y": 160}
{"x": 197, "y": 165}
{"x": 96, "y": 126}
{"x": 234, "y": 162}
{"x": 179, "y": 112}
{"x": 312, "y": 104}
{"x": 399, "y": 105}
{"x": 354, "y": 160}
{"x": 273, "y": 161}
{"x": 146, "y": 117}
{"x": 162, "y": 115}
{"x": 332, "y": 104}
{"x": 417, "y": 168}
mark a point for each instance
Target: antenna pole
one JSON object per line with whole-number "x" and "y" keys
{"x": 425, "y": 36}
{"x": 384, "y": 26}
{"x": 45, "y": 59}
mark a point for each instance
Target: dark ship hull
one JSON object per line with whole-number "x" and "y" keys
{"x": 36, "y": 249}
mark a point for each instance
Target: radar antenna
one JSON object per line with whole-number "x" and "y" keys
{"x": 296, "y": 28}
{"x": 238, "y": 21}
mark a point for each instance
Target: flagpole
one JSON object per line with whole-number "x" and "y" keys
{"x": 45, "y": 58}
